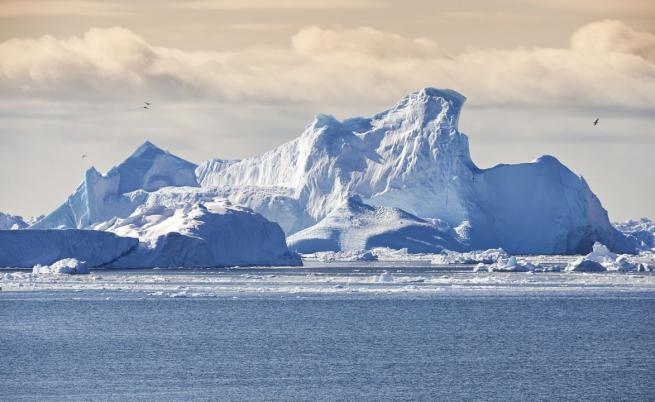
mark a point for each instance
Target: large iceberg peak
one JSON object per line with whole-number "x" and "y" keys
{"x": 147, "y": 148}
{"x": 101, "y": 197}
{"x": 427, "y": 106}
{"x": 150, "y": 168}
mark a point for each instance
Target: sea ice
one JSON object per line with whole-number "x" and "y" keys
{"x": 489, "y": 256}
{"x": 66, "y": 266}
{"x": 602, "y": 259}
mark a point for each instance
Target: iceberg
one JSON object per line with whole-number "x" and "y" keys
{"x": 27, "y": 248}
{"x": 201, "y": 235}
{"x": 411, "y": 159}
{"x": 69, "y": 266}
{"x": 121, "y": 190}
{"x": 584, "y": 265}
{"x": 12, "y": 222}
{"x": 355, "y": 226}
{"x": 602, "y": 259}
{"x": 197, "y": 235}
{"x": 642, "y": 231}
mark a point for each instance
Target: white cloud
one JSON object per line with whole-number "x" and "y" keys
{"x": 315, "y": 41}
{"x": 614, "y": 36}
{"x": 608, "y": 65}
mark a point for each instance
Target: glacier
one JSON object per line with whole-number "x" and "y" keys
{"x": 411, "y": 158}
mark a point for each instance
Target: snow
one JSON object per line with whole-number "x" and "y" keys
{"x": 27, "y": 248}
{"x": 410, "y": 165}
{"x": 11, "y": 222}
{"x": 355, "y": 226}
{"x": 70, "y": 266}
{"x": 201, "y": 235}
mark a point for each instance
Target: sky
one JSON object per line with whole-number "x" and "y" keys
{"x": 233, "y": 78}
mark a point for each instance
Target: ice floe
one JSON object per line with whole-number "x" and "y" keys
{"x": 70, "y": 266}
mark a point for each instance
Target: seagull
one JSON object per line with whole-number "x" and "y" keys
{"x": 596, "y": 121}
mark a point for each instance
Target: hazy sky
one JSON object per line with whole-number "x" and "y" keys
{"x": 233, "y": 78}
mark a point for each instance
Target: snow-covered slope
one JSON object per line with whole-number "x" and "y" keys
{"x": 102, "y": 197}
{"x": 199, "y": 235}
{"x": 411, "y": 156}
{"x": 356, "y": 226}
{"x": 26, "y": 248}
{"x": 11, "y": 222}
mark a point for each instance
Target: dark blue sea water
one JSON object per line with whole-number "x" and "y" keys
{"x": 327, "y": 348}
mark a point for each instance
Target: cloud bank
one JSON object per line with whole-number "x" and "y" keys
{"x": 608, "y": 64}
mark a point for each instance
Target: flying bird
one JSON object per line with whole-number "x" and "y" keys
{"x": 146, "y": 107}
{"x": 83, "y": 156}
{"x": 596, "y": 121}
{"x": 147, "y": 103}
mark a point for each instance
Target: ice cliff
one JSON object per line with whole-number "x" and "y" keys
{"x": 27, "y": 248}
